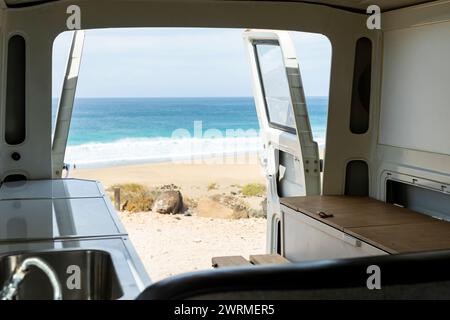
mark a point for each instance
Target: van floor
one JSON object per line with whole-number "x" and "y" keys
{"x": 173, "y": 244}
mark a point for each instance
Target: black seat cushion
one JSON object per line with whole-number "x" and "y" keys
{"x": 405, "y": 276}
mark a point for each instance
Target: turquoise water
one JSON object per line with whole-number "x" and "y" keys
{"x": 127, "y": 129}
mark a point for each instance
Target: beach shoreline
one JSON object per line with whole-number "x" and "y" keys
{"x": 193, "y": 178}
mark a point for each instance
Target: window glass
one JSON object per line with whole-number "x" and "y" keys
{"x": 275, "y": 85}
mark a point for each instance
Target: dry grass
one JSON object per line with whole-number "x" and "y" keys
{"x": 254, "y": 190}
{"x": 212, "y": 186}
{"x": 134, "y": 197}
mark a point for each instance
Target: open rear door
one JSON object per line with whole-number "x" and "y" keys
{"x": 290, "y": 155}
{"x": 65, "y": 108}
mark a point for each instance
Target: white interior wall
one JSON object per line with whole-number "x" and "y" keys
{"x": 415, "y": 100}
{"x": 414, "y": 137}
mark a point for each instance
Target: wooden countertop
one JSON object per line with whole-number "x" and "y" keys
{"x": 388, "y": 227}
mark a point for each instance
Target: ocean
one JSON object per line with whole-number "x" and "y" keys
{"x": 116, "y": 131}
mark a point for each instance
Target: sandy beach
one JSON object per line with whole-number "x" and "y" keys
{"x": 173, "y": 244}
{"x": 192, "y": 178}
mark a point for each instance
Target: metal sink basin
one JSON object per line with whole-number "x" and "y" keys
{"x": 83, "y": 274}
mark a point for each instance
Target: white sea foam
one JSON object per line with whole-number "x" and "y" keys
{"x": 142, "y": 150}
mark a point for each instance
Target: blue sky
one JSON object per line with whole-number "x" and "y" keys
{"x": 178, "y": 62}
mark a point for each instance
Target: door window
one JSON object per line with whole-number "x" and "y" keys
{"x": 275, "y": 85}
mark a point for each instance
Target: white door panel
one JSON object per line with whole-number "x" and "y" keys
{"x": 291, "y": 156}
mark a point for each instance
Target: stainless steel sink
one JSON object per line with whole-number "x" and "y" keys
{"x": 83, "y": 274}
{"x": 70, "y": 225}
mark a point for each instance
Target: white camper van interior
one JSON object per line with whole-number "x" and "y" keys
{"x": 379, "y": 195}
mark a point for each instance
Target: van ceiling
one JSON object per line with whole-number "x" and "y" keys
{"x": 354, "y": 5}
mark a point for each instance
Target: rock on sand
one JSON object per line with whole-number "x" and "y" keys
{"x": 168, "y": 202}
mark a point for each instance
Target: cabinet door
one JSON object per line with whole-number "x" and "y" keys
{"x": 309, "y": 239}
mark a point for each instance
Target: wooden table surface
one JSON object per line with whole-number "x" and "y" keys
{"x": 388, "y": 227}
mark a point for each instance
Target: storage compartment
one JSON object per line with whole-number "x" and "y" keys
{"x": 426, "y": 201}
{"x": 330, "y": 227}
{"x": 309, "y": 239}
